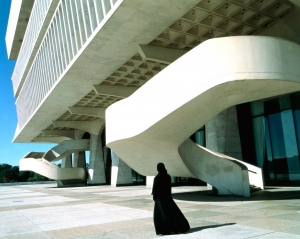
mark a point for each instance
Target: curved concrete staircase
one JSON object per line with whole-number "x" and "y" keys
{"x": 50, "y": 170}
{"x": 41, "y": 162}
{"x": 154, "y": 123}
{"x": 65, "y": 148}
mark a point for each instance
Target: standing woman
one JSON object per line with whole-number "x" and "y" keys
{"x": 167, "y": 216}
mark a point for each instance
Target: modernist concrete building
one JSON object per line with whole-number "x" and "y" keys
{"x": 209, "y": 87}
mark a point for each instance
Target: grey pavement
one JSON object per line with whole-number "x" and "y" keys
{"x": 45, "y": 211}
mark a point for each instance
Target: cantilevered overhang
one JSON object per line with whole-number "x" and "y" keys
{"x": 18, "y": 18}
{"x": 130, "y": 24}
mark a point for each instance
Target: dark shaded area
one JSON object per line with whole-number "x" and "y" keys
{"x": 86, "y": 135}
{"x": 108, "y": 163}
{"x": 260, "y": 195}
{"x": 196, "y": 229}
{"x": 193, "y": 138}
{"x": 246, "y": 132}
{"x": 10, "y": 174}
{"x": 285, "y": 183}
{"x": 189, "y": 182}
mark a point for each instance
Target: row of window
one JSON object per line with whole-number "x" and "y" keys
{"x": 73, "y": 23}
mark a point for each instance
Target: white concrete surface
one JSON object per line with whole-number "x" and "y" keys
{"x": 65, "y": 148}
{"x": 133, "y": 24}
{"x": 67, "y": 162}
{"x": 215, "y": 75}
{"x": 149, "y": 181}
{"x": 46, "y": 212}
{"x": 93, "y": 127}
{"x": 49, "y": 170}
{"x": 96, "y": 171}
{"x": 79, "y": 159}
{"x": 121, "y": 174}
{"x": 20, "y": 11}
{"x": 222, "y": 134}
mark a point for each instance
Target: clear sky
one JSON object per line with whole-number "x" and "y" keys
{"x": 10, "y": 153}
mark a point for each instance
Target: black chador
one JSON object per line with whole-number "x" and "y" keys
{"x": 167, "y": 216}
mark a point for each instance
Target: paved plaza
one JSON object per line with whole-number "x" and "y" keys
{"x": 45, "y": 211}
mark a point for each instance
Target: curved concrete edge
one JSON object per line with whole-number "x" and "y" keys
{"x": 255, "y": 174}
{"x": 217, "y": 74}
{"x": 34, "y": 155}
{"x": 65, "y": 148}
{"x": 228, "y": 175}
{"x": 49, "y": 170}
{"x": 209, "y": 66}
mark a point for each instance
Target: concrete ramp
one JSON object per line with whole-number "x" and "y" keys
{"x": 228, "y": 175}
{"x": 41, "y": 162}
{"x": 50, "y": 170}
{"x": 65, "y": 148}
{"x": 150, "y": 126}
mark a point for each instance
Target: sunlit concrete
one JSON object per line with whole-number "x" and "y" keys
{"x": 50, "y": 170}
{"x": 44, "y": 212}
{"x": 217, "y": 74}
{"x": 17, "y": 23}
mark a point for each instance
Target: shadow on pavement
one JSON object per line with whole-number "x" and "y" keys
{"x": 262, "y": 195}
{"x": 196, "y": 229}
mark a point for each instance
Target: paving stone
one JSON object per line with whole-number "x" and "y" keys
{"x": 35, "y": 235}
{"x": 44, "y": 211}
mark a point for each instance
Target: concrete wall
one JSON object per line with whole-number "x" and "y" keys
{"x": 222, "y": 134}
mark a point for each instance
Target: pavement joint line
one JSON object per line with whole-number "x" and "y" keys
{"x": 135, "y": 202}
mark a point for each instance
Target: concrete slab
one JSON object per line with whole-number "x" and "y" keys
{"x": 126, "y": 212}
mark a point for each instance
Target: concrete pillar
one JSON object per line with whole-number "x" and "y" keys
{"x": 149, "y": 181}
{"x": 222, "y": 134}
{"x": 120, "y": 172}
{"x": 105, "y": 152}
{"x": 96, "y": 172}
{"x": 67, "y": 162}
{"x": 79, "y": 159}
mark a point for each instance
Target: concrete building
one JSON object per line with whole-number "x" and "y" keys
{"x": 209, "y": 87}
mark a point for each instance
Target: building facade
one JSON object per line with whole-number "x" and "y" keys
{"x": 140, "y": 82}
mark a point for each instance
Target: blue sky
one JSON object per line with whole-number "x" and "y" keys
{"x": 10, "y": 153}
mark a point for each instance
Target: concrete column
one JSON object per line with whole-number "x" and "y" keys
{"x": 105, "y": 151}
{"x": 222, "y": 134}
{"x": 96, "y": 163}
{"x": 67, "y": 162}
{"x": 120, "y": 172}
{"x": 79, "y": 159}
{"x": 149, "y": 181}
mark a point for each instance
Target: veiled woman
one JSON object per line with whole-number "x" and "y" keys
{"x": 167, "y": 216}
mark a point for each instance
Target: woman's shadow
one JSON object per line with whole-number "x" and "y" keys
{"x": 196, "y": 229}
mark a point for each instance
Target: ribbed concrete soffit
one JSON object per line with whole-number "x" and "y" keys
{"x": 211, "y": 19}
{"x": 113, "y": 57}
{"x": 150, "y": 60}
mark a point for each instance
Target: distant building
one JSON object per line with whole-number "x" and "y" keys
{"x": 76, "y": 58}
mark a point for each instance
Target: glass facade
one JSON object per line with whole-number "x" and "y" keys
{"x": 276, "y": 134}
{"x": 138, "y": 178}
